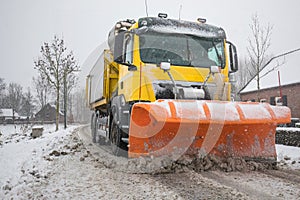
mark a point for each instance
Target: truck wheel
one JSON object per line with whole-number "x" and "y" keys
{"x": 119, "y": 148}
{"x": 94, "y": 128}
{"x": 115, "y": 139}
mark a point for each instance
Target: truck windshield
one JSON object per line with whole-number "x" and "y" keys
{"x": 182, "y": 50}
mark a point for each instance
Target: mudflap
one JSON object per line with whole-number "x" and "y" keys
{"x": 188, "y": 127}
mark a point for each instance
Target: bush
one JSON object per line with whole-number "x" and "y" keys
{"x": 288, "y": 136}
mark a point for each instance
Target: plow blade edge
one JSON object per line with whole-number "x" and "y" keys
{"x": 224, "y": 129}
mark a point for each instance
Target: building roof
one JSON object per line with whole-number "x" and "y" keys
{"x": 7, "y": 112}
{"x": 271, "y": 88}
{"x": 48, "y": 106}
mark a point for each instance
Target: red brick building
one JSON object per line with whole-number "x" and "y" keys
{"x": 290, "y": 96}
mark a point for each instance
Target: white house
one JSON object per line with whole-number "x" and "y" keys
{"x": 6, "y": 115}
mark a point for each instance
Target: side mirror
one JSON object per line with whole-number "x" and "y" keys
{"x": 214, "y": 69}
{"x": 118, "y": 48}
{"x": 165, "y": 66}
{"x": 132, "y": 68}
{"x": 233, "y": 58}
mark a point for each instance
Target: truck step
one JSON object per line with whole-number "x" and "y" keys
{"x": 126, "y": 140}
{"x": 102, "y": 133}
{"x": 125, "y": 126}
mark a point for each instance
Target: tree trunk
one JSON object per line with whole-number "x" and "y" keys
{"x": 57, "y": 109}
{"x": 13, "y": 117}
{"x": 258, "y": 84}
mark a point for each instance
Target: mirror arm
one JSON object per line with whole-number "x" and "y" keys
{"x": 131, "y": 67}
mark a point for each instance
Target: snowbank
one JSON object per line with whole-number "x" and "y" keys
{"x": 20, "y": 152}
{"x": 288, "y": 156}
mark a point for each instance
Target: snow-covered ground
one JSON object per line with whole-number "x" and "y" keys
{"x": 288, "y": 156}
{"x": 21, "y": 155}
{"x": 58, "y": 165}
{"x": 289, "y": 129}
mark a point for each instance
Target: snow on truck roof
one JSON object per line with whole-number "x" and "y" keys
{"x": 164, "y": 25}
{"x": 181, "y": 27}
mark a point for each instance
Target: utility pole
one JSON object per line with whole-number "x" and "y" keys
{"x": 280, "y": 90}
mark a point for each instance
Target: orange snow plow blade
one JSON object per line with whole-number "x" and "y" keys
{"x": 187, "y": 127}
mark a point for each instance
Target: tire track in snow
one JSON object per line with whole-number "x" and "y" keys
{"x": 269, "y": 184}
{"x": 187, "y": 184}
{"x": 292, "y": 176}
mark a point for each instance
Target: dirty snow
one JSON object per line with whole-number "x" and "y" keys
{"x": 288, "y": 156}
{"x": 63, "y": 165}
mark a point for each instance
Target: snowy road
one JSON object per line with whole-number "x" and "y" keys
{"x": 269, "y": 184}
{"x": 66, "y": 165}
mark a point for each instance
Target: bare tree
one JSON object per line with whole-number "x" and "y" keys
{"x": 55, "y": 64}
{"x": 49, "y": 65}
{"x": 27, "y": 104}
{"x": 69, "y": 81}
{"x": 42, "y": 90}
{"x": 14, "y": 97}
{"x": 243, "y": 75}
{"x": 259, "y": 44}
{"x": 2, "y": 92}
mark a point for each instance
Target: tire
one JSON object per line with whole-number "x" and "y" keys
{"x": 119, "y": 148}
{"x": 94, "y": 128}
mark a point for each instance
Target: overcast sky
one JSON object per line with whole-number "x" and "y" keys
{"x": 84, "y": 24}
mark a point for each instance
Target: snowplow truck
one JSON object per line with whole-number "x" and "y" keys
{"x": 162, "y": 87}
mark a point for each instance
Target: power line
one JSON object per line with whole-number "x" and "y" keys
{"x": 275, "y": 57}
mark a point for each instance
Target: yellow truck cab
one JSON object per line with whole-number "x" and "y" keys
{"x": 163, "y": 84}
